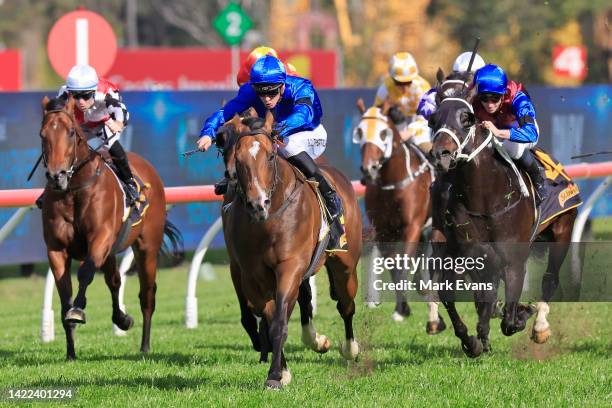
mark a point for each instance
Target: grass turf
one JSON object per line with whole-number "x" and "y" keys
{"x": 214, "y": 365}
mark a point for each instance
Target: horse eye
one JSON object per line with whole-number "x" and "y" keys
{"x": 271, "y": 157}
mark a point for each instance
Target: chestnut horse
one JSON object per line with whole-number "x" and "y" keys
{"x": 82, "y": 213}
{"x": 397, "y": 182}
{"x": 272, "y": 228}
{"x": 486, "y": 214}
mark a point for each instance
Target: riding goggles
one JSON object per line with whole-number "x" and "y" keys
{"x": 83, "y": 95}
{"x": 489, "y": 97}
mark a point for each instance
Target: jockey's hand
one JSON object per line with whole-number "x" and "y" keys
{"x": 114, "y": 126}
{"x": 204, "y": 143}
{"x": 496, "y": 132}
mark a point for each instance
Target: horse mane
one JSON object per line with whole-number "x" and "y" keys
{"x": 55, "y": 104}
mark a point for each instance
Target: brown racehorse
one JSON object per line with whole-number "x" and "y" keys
{"x": 396, "y": 199}
{"x": 82, "y": 215}
{"x": 486, "y": 213}
{"x": 271, "y": 231}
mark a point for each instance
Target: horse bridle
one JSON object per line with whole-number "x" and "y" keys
{"x": 75, "y": 165}
{"x": 458, "y": 154}
{"x": 274, "y": 159}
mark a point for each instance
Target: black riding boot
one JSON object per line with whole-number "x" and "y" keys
{"x": 529, "y": 164}
{"x": 307, "y": 165}
{"x": 221, "y": 186}
{"x": 124, "y": 172}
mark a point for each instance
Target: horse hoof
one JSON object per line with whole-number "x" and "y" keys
{"x": 349, "y": 350}
{"x": 125, "y": 323}
{"x": 285, "y": 377}
{"x": 70, "y": 357}
{"x": 323, "y": 344}
{"x": 144, "y": 349}
{"x": 273, "y": 385}
{"x": 397, "y": 317}
{"x": 540, "y": 337}
{"x": 75, "y": 315}
{"x": 473, "y": 349}
{"x": 435, "y": 327}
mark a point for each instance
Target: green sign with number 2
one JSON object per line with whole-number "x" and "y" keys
{"x": 232, "y": 23}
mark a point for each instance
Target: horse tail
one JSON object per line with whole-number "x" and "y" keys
{"x": 175, "y": 248}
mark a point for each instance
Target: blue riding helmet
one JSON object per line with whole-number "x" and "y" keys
{"x": 491, "y": 79}
{"x": 268, "y": 73}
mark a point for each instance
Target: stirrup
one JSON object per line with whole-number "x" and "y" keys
{"x": 337, "y": 236}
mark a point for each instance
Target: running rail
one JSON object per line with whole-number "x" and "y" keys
{"x": 25, "y": 198}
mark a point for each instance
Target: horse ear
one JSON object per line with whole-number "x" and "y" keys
{"x": 269, "y": 121}
{"x": 440, "y": 75}
{"x": 44, "y": 103}
{"x": 361, "y": 106}
{"x": 69, "y": 107}
{"x": 250, "y": 113}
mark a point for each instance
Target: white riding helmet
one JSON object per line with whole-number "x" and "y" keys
{"x": 463, "y": 60}
{"x": 403, "y": 67}
{"x": 82, "y": 78}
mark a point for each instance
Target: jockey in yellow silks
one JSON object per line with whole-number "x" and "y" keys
{"x": 403, "y": 87}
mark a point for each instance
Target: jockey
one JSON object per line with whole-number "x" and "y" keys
{"x": 102, "y": 115}
{"x": 427, "y": 104}
{"x": 403, "y": 87}
{"x": 504, "y": 107}
{"x": 297, "y": 111}
{"x": 244, "y": 75}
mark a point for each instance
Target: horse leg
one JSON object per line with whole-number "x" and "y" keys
{"x": 99, "y": 249}
{"x": 146, "y": 256}
{"x": 264, "y": 340}
{"x": 515, "y": 314}
{"x": 344, "y": 280}
{"x": 113, "y": 281}
{"x": 435, "y": 322}
{"x": 471, "y": 346}
{"x": 310, "y": 337}
{"x": 85, "y": 275}
{"x": 288, "y": 278}
{"x": 248, "y": 320}
{"x": 562, "y": 232}
{"x": 484, "y": 310}
{"x": 59, "y": 262}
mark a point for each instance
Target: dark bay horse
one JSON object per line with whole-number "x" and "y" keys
{"x": 487, "y": 214}
{"x": 397, "y": 181}
{"x": 272, "y": 227}
{"x": 82, "y": 213}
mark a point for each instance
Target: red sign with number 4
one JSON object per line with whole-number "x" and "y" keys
{"x": 570, "y": 61}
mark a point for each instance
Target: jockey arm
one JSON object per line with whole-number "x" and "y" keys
{"x": 523, "y": 109}
{"x": 246, "y": 98}
{"x": 302, "y": 113}
{"x": 116, "y": 110}
{"x": 427, "y": 104}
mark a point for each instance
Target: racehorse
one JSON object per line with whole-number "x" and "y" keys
{"x": 397, "y": 180}
{"x": 272, "y": 230}
{"x": 486, "y": 213}
{"x": 82, "y": 211}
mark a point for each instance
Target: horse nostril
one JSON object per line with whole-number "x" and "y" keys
{"x": 250, "y": 204}
{"x": 267, "y": 201}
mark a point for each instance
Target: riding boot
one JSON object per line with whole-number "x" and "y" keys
{"x": 39, "y": 200}
{"x": 307, "y": 165}
{"x": 529, "y": 164}
{"x": 124, "y": 172}
{"x": 221, "y": 186}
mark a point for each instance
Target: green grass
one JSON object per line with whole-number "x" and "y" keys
{"x": 213, "y": 365}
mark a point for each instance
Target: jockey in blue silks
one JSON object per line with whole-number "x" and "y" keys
{"x": 297, "y": 111}
{"x": 505, "y": 108}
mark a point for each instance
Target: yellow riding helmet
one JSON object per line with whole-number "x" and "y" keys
{"x": 403, "y": 67}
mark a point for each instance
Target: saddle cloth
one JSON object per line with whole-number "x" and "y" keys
{"x": 562, "y": 193}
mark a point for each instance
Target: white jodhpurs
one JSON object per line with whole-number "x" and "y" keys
{"x": 100, "y": 136}
{"x": 516, "y": 150}
{"x": 312, "y": 142}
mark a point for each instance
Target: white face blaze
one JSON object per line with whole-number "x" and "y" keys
{"x": 371, "y": 128}
{"x": 254, "y": 149}
{"x": 261, "y": 193}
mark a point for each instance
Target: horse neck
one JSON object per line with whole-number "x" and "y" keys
{"x": 285, "y": 184}
{"x": 394, "y": 169}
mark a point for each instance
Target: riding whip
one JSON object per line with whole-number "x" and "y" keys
{"x": 35, "y": 166}
{"x": 473, "y": 54}
{"x": 190, "y": 152}
{"x": 580, "y": 156}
